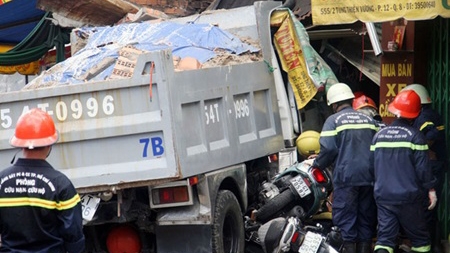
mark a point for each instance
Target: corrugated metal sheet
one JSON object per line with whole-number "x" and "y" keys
{"x": 359, "y": 53}
{"x": 369, "y": 65}
{"x": 92, "y": 12}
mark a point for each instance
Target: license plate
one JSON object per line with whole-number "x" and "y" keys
{"x": 311, "y": 243}
{"x": 89, "y": 205}
{"x": 300, "y": 186}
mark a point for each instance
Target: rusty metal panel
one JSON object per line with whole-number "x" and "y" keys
{"x": 92, "y": 12}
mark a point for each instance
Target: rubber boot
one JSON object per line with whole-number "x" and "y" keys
{"x": 349, "y": 247}
{"x": 364, "y": 247}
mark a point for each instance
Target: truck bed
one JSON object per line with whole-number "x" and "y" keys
{"x": 157, "y": 125}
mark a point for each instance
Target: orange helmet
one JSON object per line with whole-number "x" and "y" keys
{"x": 34, "y": 128}
{"x": 406, "y": 104}
{"x": 123, "y": 239}
{"x": 363, "y": 101}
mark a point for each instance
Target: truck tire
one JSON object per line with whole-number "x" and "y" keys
{"x": 228, "y": 224}
{"x": 267, "y": 211}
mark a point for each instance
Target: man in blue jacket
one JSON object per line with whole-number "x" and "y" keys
{"x": 430, "y": 123}
{"x": 402, "y": 178}
{"x": 345, "y": 141}
{"x": 40, "y": 210}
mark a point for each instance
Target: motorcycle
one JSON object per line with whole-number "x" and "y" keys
{"x": 296, "y": 237}
{"x": 290, "y": 214}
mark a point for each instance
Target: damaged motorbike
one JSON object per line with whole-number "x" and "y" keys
{"x": 292, "y": 213}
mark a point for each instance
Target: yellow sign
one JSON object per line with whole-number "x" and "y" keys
{"x": 292, "y": 59}
{"x": 327, "y": 12}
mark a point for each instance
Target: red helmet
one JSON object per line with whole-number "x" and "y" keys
{"x": 123, "y": 239}
{"x": 363, "y": 101}
{"x": 358, "y": 93}
{"x": 406, "y": 104}
{"x": 34, "y": 128}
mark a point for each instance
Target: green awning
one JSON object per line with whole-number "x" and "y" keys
{"x": 42, "y": 38}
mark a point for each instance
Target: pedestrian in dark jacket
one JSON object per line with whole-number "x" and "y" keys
{"x": 431, "y": 124}
{"x": 345, "y": 141}
{"x": 403, "y": 179}
{"x": 40, "y": 210}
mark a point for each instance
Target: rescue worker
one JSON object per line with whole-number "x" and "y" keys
{"x": 345, "y": 141}
{"x": 430, "y": 123}
{"x": 40, "y": 210}
{"x": 402, "y": 177}
{"x": 367, "y": 106}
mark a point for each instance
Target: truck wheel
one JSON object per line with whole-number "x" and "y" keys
{"x": 228, "y": 224}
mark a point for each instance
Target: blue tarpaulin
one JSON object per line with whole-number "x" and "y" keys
{"x": 194, "y": 40}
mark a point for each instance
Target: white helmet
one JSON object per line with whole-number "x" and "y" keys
{"x": 339, "y": 92}
{"x": 421, "y": 91}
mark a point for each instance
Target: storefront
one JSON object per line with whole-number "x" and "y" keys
{"x": 414, "y": 39}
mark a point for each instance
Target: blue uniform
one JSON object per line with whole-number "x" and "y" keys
{"x": 40, "y": 210}
{"x": 402, "y": 179}
{"x": 345, "y": 141}
{"x": 431, "y": 125}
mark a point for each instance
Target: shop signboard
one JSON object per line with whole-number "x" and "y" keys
{"x": 397, "y": 71}
{"x": 325, "y": 12}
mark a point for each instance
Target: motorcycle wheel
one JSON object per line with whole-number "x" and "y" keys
{"x": 228, "y": 224}
{"x": 275, "y": 205}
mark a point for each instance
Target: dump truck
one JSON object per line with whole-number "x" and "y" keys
{"x": 167, "y": 160}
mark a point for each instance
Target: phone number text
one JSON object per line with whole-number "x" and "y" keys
{"x": 378, "y": 8}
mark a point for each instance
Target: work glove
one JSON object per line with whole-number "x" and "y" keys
{"x": 433, "y": 199}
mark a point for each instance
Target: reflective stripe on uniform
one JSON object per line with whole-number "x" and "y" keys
{"x": 347, "y": 127}
{"x": 398, "y": 145}
{"x": 425, "y": 124}
{"x": 426, "y": 248}
{"x": 37, "y": 202}
{"x": 389, "y": 249}
{"x": 440, "y": 128}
